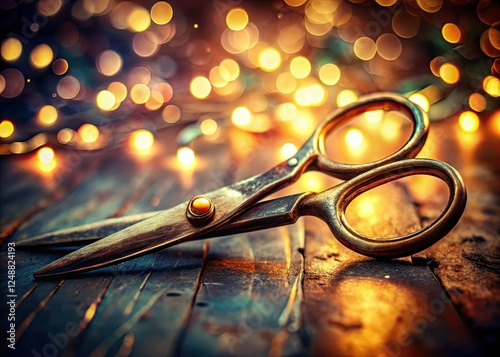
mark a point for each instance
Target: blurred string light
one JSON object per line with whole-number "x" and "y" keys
{"x": 45, "y": 155}
{"x": 258, "y": 69}
{"x": 186, "y": 157}
{"x": 88, "y": 133}
{"x": 6, "y": 129}
{"x": 161, "y": 13}
{"x": 208, "y": 127}
{"x": 11, "y": 49}
{"x": 142, "y": 139}
{"x": 47, "y": 115}
{"x": 420, "y": 100}
{"x": 200, "y": 87}
{"x": 354, "y": 137}
{"x": 468, "y": 121}
{"x": 288, "y": 150}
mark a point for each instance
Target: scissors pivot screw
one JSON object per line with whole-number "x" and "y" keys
{"x": 200, "y": 209}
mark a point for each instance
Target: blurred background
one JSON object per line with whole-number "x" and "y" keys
{"x": 91, "y": 75}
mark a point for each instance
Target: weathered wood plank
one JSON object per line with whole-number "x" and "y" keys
{"x": 39, "y": 190}
{"x": 249, "y": 286}
{"x": 360, "y": 306}
{"x": 139, "y": 286}
{"x": 466, "y": 262}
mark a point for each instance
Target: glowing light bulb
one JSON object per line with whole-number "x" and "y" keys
{"x": 88, "y": 133}
{"x": 329, "y": 74}
{"x": 420, "y": 100}
{"x": 269, "y": 59}
{"x": 237, "y": 19}
{"x": 186, "y": 157}
{"x": 11, "y": 49}
{"x": 288, "y": 150}
{"x": 374, "y": 116}
{"x": 449, "y": 73}
{"x": 208, "y": 126}
{"x": 354, "y": 137}
{"x": 161, "y": 13}
{"x": 140, "y": 93}
{"x": 142, "y": 139}
{"x": 300, "y": 67}
{"x": 105, "y": 100}
{"x": 45, "y": 155}
{"x": 241, "y": 116}
{"x": 468, "y": 121}
{"x": 200, "y": 87}
{"x": 6, "y": 129}
{"x": 346, "y": 97}
{"x": 41, "y": 56}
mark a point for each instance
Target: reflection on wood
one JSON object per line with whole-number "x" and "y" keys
{"x": 262, "y": 293}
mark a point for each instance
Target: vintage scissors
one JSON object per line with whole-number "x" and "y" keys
{"x": 235, "y": 208}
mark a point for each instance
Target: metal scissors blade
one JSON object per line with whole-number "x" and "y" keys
{"x": 176, "y": 225}
{"x": 330, "y": 206}
{"x": 263, "y": 215}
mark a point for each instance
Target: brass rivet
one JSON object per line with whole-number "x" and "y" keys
{"x": 200, "y": 209}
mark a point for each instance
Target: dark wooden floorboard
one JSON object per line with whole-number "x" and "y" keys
{"x": 262, "y": 293}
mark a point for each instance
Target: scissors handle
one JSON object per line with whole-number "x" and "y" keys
{"x": 330, "y": 206}
{"x": 315, "y": 145}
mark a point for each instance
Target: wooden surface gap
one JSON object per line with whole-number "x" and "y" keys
{"x": 27, "y": 321}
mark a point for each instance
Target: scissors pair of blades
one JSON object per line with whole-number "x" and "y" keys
{"x": 217, "y": 212}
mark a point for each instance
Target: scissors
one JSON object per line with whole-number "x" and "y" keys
{"x": 236, "y": 208}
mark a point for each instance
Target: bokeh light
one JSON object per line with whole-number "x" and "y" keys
{"x": 186, "y": 157}
{"x": 449, "y": 73}
{"x": 237, "y": 19}
{"x": 491, "y": 85}
{"x": 41, "y": 56}
{"x": 389, "y": 46}
{"x": 88, "y": 133}
{"x": 269, "y": 59}
{"x": 142, "y": 139}
{"x": 60, "y": 66}
{"x": 288, "y": 150}
{"x": 6, "y": 129}
{"x": 45, "y": 155}
{"x": 477, "y": 102}
{"x": 200, "y": 87}
{"x": 354, "y": 137}
{"x": 468, "y": 121}
{"x": 365, "y": 48}
{"x": 109, "y": 63}
{"x": 161, "y": 13}
{"x": 139, "y": 19}
{"x": 451, "y": 33}
{"x": 47, "y": 115}
{"x": 329, "y": 74}
{"x": 105, "y": 100}
{"x": 13, "y": 82}
{"x": 208, "y": 126}
{"x": 140, "y": 93}
{"x": 346, "y": 97}
{"x": 300, "y": 67}
{"x": 119, "y": 91}
{"x": 420, "y": 100}
{"x": 65, "y": 135}
{"x": 171, "y": 114}
{"x": 241, "y": 116}
{"x": 11, "y": 49}
{"x": 68, "y": 87}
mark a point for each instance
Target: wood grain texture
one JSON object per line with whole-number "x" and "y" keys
{"x": 262, "y": 293}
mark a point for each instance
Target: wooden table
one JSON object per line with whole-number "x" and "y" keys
{"x": 285, "y": 291}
